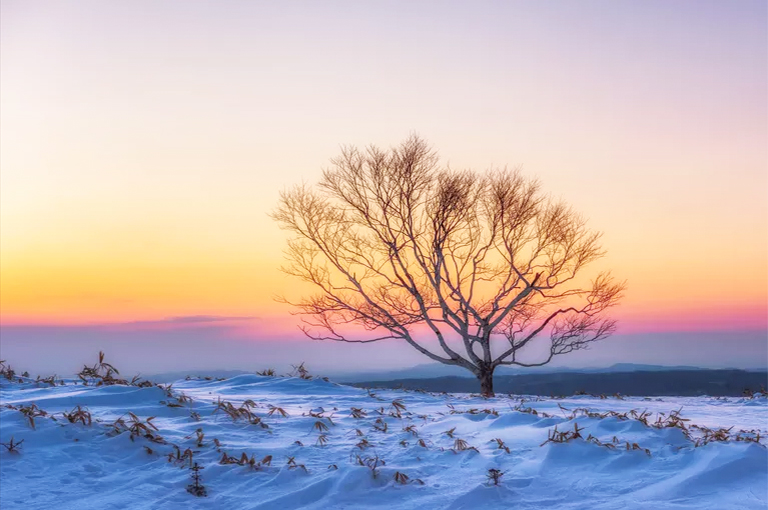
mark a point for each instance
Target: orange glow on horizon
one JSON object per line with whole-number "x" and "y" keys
{"x": 108, "y": 287}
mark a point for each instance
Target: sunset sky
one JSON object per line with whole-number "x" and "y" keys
{"x": 143, "y": 144}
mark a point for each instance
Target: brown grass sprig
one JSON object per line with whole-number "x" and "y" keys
{"x": 78, "y": 414}
{"x": 500, "y": 444}
{"x": 494, "y": 476}
{"x": 380, "y": 425}
{"x": 11, "y": 446}
{"x": 31, "y": 412}
{"x": 460, "y": 445}
{"x": 196, "y": 488}
{"x": 372, "y": 462}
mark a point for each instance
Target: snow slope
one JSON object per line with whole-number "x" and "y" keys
{"x": 74, "y": 465}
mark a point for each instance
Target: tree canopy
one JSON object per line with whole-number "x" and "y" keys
{"x": 470, "y": 269}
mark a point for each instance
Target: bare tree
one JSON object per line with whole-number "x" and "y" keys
{"x": 473, "y": 270}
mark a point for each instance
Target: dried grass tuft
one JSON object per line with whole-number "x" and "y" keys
{"x": 494, "y": 476}
{"x": 11, "y": 446}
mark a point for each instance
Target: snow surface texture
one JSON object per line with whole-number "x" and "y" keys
{"x": 444, "y": 444}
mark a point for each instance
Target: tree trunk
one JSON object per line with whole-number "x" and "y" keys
{"x": 486, "y": 382}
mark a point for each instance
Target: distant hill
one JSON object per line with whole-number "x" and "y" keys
{"x": 430, "y": 370}
{"x": 624, "y": 378}
{"x": 653, "y": 382}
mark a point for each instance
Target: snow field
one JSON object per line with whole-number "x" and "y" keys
{"x": 443, "y": 444}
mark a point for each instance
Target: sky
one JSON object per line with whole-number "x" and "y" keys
{"x": 144, "y": 143}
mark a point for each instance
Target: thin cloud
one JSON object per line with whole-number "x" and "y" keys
{"x": 191, "y": 319}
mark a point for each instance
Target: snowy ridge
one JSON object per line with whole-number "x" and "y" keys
{"x": 323, "y": 452}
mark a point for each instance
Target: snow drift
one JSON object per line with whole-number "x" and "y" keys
{"x": 287, "y": 443}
